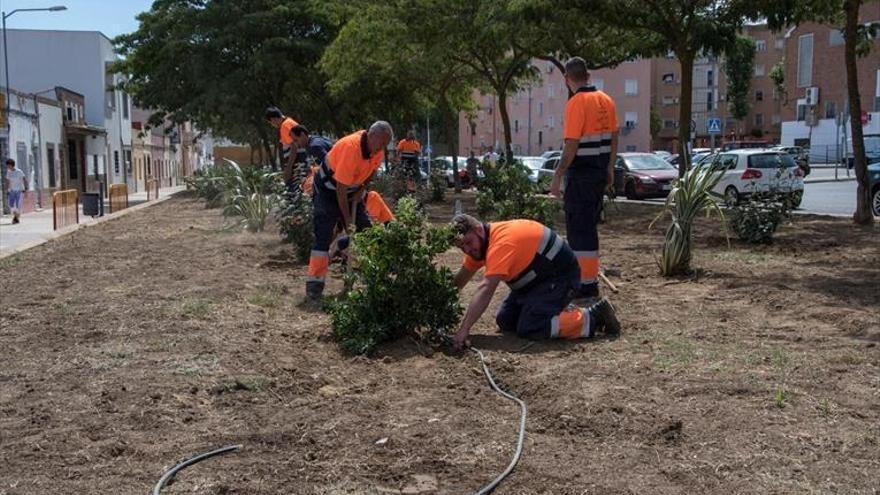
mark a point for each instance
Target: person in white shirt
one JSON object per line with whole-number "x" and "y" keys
{"x": 16, "y": 186}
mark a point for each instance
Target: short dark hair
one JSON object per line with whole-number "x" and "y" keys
{"x": 299, "y": 130}
{"x": 576, "y": 69}
{"x": 462, "y": 224}
{"x": 274, "y": 113}
{"x": 10, "y": 161}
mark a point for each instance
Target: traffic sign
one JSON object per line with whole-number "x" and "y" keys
{"x": 714, "y": 126}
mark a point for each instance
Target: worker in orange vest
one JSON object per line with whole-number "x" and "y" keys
{"x": 339, "y": 187}
{"x": 312, "y": 152}
{"x": 542, "y": 273}
{"x": 408, "y": 151}
{"x": 288, "y": 152}
{"x": 587, "y": 164}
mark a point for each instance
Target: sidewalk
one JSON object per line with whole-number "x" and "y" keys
{"x": 37, "y": 228}
{"x": 825, "y": 173}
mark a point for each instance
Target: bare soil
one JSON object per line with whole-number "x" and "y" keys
{"x": 129, "y": 346}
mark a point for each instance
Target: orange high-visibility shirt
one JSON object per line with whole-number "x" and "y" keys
{"x": 351, "y": 161}
{"x": 284, "y": 131}
{"x": 409, "y": 148}
{"x": 512, "y": 247}
{"x": 589, "y": 112}
{"x": 377, "y": 209}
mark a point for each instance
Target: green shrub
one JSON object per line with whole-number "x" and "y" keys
{"x": 438, "y": 185}
{"x": 397, "y": 289}
{"x": 507, "y": 193}
{"x": 756, "y": 219}
{"x": 294, "y": 217}
{"x": 211, "y": 184}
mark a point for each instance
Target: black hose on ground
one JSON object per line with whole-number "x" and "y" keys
{"x": 201, "y": 457}
{"x": 522, "y": 427}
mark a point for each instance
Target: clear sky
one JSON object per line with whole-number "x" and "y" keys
{"x": 111, "y": 17}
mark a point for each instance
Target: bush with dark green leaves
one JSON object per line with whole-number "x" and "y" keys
{"x": 210, "y": 183}
{"x": 438, "y": 185}
{"x": 756, "y": 219}
{"x": 397, "y": 288}
{"x": 507, "y": 193}
{"x": 294, "y": 216}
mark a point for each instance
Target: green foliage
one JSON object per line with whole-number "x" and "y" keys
{"x": 211, "y": 184}
{"x": 438, "y": 185}
{"x": 777, "y": 75}
{"x": 507, "y": 193}
{"x": 294, "y": 217}
{"x": 398, "y": 289}
{"x": 739, "y": 68}
{"x": 220, "y": 63}
{"x": 756, "y": 219}
{"x": 690, "y": 195}
{"x": 656, "y": 122}
{"x": 251, "y": 195}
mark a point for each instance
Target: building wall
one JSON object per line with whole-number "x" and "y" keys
{"x": 52, "y": 135}
{"x": 77, "y": 60}
{"x": 536, "y": 113}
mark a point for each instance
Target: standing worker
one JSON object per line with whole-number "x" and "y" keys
{"x": 339, "y": 185}
{"x": 542, "y": 273}
{"x": 588, "y": 157}
{"x": 409, "y": 150}
{"x": 284, "y": 125}
{"x": 312, "y": 153}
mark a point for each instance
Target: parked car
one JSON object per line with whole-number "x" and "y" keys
{"x": 643, "y": 175}
{"x": 663, "y": 154}
{"x": 872, "y": 150}
{"x": 749, "y": 171}
{"x": 800, "y": 155}
{"x": 445, "y": 164}
{"x": 874, "y": 187}
{"x": 745, "y": 145}
{"x": 551, "y": 154}
{"x": 534, "y": 164}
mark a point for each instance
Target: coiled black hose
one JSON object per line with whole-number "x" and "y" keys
{"x": 199, "y": 458}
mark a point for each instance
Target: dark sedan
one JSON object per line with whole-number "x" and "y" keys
{"x": 643, "y": 175}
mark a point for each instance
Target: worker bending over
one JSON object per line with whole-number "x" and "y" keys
{"x": 542, "y": 273}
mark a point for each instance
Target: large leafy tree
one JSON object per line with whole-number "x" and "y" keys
{"x": 739, "y": 66}
{"x": 859, "y": 40}
{"x": 220, "y": 63}
{"x": 687, "y": 27}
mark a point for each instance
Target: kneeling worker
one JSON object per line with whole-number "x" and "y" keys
{"x": 339, "y": 184}
{"x": 542, "y": 272}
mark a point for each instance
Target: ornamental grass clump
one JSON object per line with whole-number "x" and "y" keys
{"x": 690, "y": 195}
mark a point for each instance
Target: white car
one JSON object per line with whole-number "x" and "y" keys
{"x": 663, "y": 154}
{"x": 749, "y": 171}
{"x": 533, "y": 163}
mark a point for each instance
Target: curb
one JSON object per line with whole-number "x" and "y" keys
{"x": 823, "y": 181}
{"x": 73, "y": 228}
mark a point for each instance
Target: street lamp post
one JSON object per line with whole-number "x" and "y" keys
{"x": 56, "y": 8}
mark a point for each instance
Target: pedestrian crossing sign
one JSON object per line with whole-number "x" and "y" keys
{"x": 714, "y": 126}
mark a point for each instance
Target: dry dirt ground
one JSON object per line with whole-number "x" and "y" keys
{"x": 130, "y": 346}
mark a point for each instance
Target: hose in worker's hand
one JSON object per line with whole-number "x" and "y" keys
{"x": 201, "y": 457}
{"x": 522, "y": 427}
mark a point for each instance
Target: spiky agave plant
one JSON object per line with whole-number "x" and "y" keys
{"x": 689, "y": 196}
{"x": 250, "y": 195}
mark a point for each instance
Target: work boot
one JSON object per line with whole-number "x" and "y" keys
{"x": 604, "y": 317}
{"x": 15, "y": 220}
{"x": 586, "y": 295}
{"x": 314, "y": 290}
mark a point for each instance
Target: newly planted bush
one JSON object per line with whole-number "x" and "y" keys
{"x": 756, "y": 219}
{"x": 294, "y": 217}
{"x": 508, "y": 193}
{"x": 690, "y": 195}
{"x": 397, "y": 289}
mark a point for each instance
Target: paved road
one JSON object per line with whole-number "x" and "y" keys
{"x": 830, "y": 198}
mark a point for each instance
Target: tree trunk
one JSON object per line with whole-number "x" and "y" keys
{"x": 686, "y": 58}
{"x": 505, "y": 123}
{"x": 863, "y": 215}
